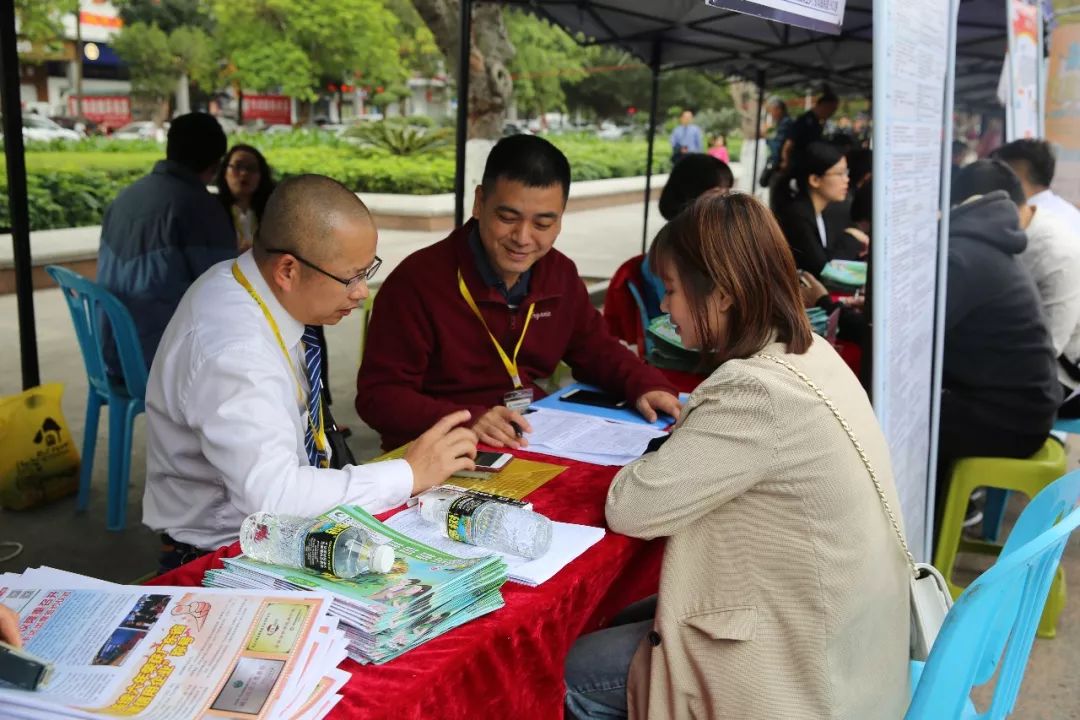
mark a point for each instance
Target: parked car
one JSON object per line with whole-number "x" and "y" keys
{"x": 515, "y": 129}
{"x": 141, "y": 130}
{"x": 611, "y": 131}
{"x": 227, "y": 124}
{"x": 82, "y": 125}
{"x": 38, "y": 127}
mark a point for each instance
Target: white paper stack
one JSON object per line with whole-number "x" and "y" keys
{"x": 568, "y": 541}
{"x": 159, "y": 652}
{"x": 587, "y": 438}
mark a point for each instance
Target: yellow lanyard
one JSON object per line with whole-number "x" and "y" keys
{"x": 319, "y": 433}
{"x": 509, "y": 363}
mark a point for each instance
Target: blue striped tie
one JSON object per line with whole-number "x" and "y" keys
{"x": 313, "y": 368}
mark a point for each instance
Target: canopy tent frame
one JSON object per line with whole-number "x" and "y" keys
{"x": 18, "y": 205}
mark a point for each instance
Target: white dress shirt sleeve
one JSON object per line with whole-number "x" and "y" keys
{"x": 242, "y": 407}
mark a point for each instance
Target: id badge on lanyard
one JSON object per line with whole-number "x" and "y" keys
{"x": 520, "y": 397}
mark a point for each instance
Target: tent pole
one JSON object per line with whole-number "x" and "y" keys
{"x": 757, "y": 127}
{"x": 654, "y": 66}
{"x": 464, "y": 51}
{"x": 20, "y": 214}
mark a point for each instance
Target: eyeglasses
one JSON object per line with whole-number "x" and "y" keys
{"x": 350, "y": 283}
{"x": 243, "y": 168}
{"x": 841, "y": 173}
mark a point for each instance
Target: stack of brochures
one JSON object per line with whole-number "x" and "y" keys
{"x": 426, "y": 593}
{"x": 847, "y": 274}
{"x": 169, "y": 653}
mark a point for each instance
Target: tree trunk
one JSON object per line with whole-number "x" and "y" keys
{"x": 183, "y": 95}
{"x": 490, "y": 84}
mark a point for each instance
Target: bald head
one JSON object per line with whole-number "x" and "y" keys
{"x": 303, "y": 212}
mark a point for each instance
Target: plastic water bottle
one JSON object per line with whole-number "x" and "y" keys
{"x": 313, "y": 544}
{"x": 489, "y": 523}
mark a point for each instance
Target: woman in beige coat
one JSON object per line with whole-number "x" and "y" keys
{"x": 784, "y": 589}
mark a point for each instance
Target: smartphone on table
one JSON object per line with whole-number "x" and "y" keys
{"x": 492, "y": 461}
{"x": 593, "y": 398}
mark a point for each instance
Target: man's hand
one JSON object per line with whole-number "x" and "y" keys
{"x": 494, "y": 428}
{"x": 9, "y": 627}
{"x": 656, "y": 401}
{"x": 442, "y": 451}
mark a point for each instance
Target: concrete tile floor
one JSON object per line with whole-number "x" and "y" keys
{"x": 56, "y": 535}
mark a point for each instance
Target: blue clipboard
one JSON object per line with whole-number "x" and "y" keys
{"x": 627, "y": 414}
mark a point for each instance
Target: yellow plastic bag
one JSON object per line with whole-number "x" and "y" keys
{"x": 38, "y": 460}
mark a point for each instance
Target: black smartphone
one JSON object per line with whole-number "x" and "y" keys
{"x": 492, "y": 461}
{"x": 594, "y": 398}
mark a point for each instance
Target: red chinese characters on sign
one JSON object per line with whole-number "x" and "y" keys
{"x": 271, "y": 109}
{"x": 111, "y": 111}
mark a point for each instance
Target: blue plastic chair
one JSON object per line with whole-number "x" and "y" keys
{"x": 90, "y": 305}
{"x": 993, "y": 622}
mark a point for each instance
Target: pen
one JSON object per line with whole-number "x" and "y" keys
{"x": 517, "y": 428}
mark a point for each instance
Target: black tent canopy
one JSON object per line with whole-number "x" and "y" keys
{"x": 690, "y": 33}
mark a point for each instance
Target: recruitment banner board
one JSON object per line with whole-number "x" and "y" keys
{"x": 822, "y": 15}
{"x": 1022, "y": 70}
{"x": 1063, "y": 109}
{"x": 914, "y": 50}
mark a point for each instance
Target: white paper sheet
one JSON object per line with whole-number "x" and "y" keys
{"x": 588, "y": 439}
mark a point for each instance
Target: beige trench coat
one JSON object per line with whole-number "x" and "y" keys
{"x": 784, "y": 592}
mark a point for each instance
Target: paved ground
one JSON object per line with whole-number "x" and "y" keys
{"x": 597, "y": 240}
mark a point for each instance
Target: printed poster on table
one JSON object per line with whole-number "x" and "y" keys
{"x": 825, "y": 16}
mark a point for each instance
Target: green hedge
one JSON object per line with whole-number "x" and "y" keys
{"x": 71, "y": 184}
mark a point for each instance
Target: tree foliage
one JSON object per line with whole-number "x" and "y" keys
{"x": 615, "y": 81}
{"x": 145, "y": 49}
{"x": 296, "y": 45}
{"x": 39, "y": 22}
{"x": 166, "y": 14}
{"x": 156, "y": 60}
{"x": 546, "y": 61}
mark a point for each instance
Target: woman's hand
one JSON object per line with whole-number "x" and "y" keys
{"x": 811, "y": 289}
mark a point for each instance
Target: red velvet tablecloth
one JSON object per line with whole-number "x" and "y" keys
{"x": 508, "y": 664}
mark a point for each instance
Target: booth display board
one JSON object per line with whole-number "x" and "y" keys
{"x": 822, "y": 15}
{"x": 1063, "y": 109}
{"x": 1022, "y": 72}
{"x": 914, "y": 51}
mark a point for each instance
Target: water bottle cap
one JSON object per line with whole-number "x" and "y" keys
{"x": 431, "y": 507}
{"x": 382, "y": 559}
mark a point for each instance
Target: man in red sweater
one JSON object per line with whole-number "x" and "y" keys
{"x": 474, "y": 320}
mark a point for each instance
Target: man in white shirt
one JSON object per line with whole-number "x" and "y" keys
{"x": 1034, "y": 163}
{"x": 233, "y": 402}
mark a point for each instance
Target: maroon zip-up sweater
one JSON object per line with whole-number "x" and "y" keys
{"x": 427, "y": 355}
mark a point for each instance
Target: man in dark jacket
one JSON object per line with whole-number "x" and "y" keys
{"x": 164, "y": 231}
{"x": 999, "y": 384}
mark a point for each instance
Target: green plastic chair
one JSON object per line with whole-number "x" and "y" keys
{"x": 1026, "y": 475}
